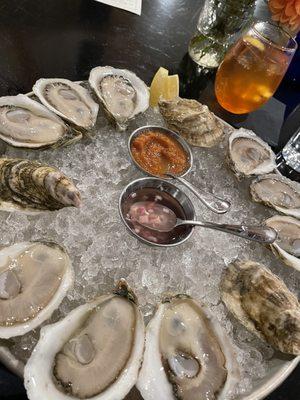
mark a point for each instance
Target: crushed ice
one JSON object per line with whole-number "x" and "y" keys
{"x": 102, "y": 251}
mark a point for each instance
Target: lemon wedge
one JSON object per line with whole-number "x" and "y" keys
{"x": 158, "y": 85}
{"x": 163, "y": 86}
{"x": 172, "y": 87}
{"x": 255, "y": 42}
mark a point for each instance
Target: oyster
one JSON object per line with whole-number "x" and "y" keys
{"x": 69, "y": 100}
{"x": 121, "y": 92}
{"x": 278, "y": 192}
{"x": 94, "y": 352}
{"x": 249, "y": 155}
{"x": 193, "y": 121}
{"x": 263, "y": 304}
{"x": 29, "y": 186}
{"x": 34, "y": 279}
{"x": 287, "y": 245}
{"x": 27, "y": 123}
{"x": 187, "y": 354}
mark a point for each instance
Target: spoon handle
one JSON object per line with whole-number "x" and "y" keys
{"x": 214, "y": 203}
{"x": 257, "y": 233}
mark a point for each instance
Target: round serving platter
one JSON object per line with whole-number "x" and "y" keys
{"x": 102, "y": 251}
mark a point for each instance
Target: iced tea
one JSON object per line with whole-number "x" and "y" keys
{"x": 253, "y": 69}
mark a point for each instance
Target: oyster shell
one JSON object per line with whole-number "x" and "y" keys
{"x": 29, "y": 186}
{"x": 34, "y": 279}
{"x": 94, "y": 352}
{"x": 27, "y": 123}
{"x": 122, "y": 94}
{"x": 187, "y": 354}
{"x": 69, "y": 100}
{"x": 193, "y": 121}
{"x": 277, "y": 192}
{"x": 287, "y": 245}
{"x": 263, "y": 304}
{"x": 248, "y": 155}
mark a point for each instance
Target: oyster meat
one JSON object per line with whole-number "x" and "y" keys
{"x": 122, "y": 94}
{"x": 263, "y": 304}
{"x": 27, "y": 123}
{"x": 248, "y": 155}
{"x": 287, "y": 245}
{"x": 187, "y": 354}
{"x": 94, "y": 352}
{"x": 193, "y": 121}
{"x": 34, "y": 279}
{"x": 29, "y": 186}
{"x": 69, "y": 100}
{"x": 277, "y": 192}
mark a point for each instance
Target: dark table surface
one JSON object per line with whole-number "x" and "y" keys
{"x": 66, "y": 38}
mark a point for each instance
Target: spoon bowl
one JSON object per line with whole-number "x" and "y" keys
{"x": 160, "y": 218}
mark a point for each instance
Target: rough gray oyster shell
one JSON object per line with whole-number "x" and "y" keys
{"x": 263, "y": 304}
{"x": 277, "y": 192}
{"x": 193, "y": 121}
{"x": 34, "y": 279}
{"x": 187, "y": 354}
{"x": 248, "y": 155}
{"x": 29, "y": 186}
{"x": 29, "y": 124}
{"x": 287, "y": 245}
{"x": 69, "y": 100}
{"x": 95, "y": 352}
{"x": 122, "y": 94}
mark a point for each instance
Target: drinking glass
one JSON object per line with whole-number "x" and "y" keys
{"x": 254, "y": 67}
{"x": 288, "y": 160}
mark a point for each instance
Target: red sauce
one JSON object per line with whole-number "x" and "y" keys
{"x": 159, "y": 153}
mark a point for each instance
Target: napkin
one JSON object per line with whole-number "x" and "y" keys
{"x": 134, "y": 6}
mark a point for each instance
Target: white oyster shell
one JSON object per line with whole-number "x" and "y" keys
{"x": 187, "y": 355}
{"x": 263, "y": 304}
{"x": 95, "y": 352}
{"x": 34, "y": 279}
{"x": 69, "y": 100}
{"x": 287, "y": 245}
{"x": 122, "y": 93}
{"x": 277, "y": 192}
{"x": 27, "y": 123}
{"x": 248, "y": 155}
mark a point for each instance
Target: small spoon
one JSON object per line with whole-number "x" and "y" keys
{"x": 160, "y": 218}
{"x": 211, "y": 201}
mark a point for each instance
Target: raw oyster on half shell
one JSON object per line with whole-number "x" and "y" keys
{"x": 277, "y": 192}
{"x": 29, "y": 124}
{"x": 193, "y": 121}
{"x": 29, "y": 186}
{"x": 187, "y": 355}
{"x": 69, "y": 100}
{"x": 34, "y": 279}
{"x": 263, "y": 304}
{"x": 248, "y": 155}
{"x": 122, "y": 93}
{"x": 95, "y": 352}
{"x": 287, "y": 245}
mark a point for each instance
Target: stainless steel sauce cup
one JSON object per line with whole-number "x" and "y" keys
{"x": 163, "y": 187}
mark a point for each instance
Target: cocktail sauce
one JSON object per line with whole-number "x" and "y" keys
{"x": 158, "y": 153}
